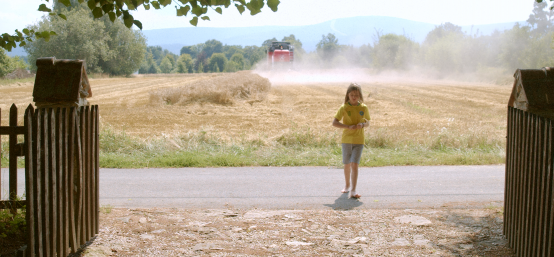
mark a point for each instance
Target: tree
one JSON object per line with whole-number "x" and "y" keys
{"x": 268, "y": 42}
{"x": 211, "y": 47}
{"x": 328, "y": 47}
{"x": 541, "y": 20}
{"x": 394, "y": 52}
{"x": 239, "y": 60}
{"x": 184, "y": 64}
{"x": 190, "y": 50}
{"x": 104, "y": 45}
{"x": 120, "y": 9}
{"x": 9, "y": 64}
{"x": 441, "y": 31}
{"x": 296, "y": 43}
{"x": 166, "y": 66}
{"x": 201, "y": 62}
{"x": 230, "y": 50}
{"x": 126, "y": 49}
{"x": 231, "y": 66}
{"x": 217, "y": 60}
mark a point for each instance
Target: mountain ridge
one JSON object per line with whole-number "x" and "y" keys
{"x": 354, "y": 31}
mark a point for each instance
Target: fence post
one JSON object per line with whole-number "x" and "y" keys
{"x": 13, "y": 157}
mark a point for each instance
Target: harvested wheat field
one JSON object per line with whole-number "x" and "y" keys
{"x": 280, "y": 108}
{"x": 407, "y": 109}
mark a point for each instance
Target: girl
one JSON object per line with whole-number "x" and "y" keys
{"x": 355, "y": 117}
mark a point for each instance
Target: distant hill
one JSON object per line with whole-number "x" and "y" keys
{"x": 354, "y": 31}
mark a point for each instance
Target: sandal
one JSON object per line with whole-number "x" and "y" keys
{"x": 344, "y": 191}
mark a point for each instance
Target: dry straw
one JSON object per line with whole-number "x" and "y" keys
{"x": 225, "y": 90}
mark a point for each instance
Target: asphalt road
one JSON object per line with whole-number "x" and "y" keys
{"x": 299, "y": 187}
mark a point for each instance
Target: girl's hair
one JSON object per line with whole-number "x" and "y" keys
{"x": 354, "y": 87}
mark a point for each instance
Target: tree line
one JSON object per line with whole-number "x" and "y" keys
{"x": 110, "y": 47}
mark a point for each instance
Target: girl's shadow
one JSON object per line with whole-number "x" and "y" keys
{"x": 345, "y": 203}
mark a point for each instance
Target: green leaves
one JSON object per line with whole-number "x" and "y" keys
{"x": 183, "y": 11}
{"x": 65, "y": 2}
{"x": 194, "y": 21}
{"x": 97, "y": 12}
{"x": 138, "y": 24}
{"x": 116, "y": 8}
{"x": 273, "y": 4}
{"x": 43, "y": 8}
{"x": 241, "y": 8}
{"x": 91, "y": 4}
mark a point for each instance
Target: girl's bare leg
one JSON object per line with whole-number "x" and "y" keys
{"x": 354, "y": 176}
{"x": 346, "y": 178}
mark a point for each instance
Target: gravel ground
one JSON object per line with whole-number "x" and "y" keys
{"x": 257, "y": 232}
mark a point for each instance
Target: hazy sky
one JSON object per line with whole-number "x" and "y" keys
{"x": 18, "y": 14}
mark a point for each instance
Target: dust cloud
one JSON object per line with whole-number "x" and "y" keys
{"x": 338, "y": 75}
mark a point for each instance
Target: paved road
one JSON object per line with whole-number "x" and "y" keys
{"x": 300, "y": 187}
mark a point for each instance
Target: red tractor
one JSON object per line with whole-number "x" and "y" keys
{"x": 280, "y": 55}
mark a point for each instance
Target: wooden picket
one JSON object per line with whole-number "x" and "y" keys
{"x": 528, "y": 204}
{"x": 61, "y": 177}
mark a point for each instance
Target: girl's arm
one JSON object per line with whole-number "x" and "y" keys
{"x": 336, "y": 123}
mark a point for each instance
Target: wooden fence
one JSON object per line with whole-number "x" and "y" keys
{"x": 61, "y": 179}
{"x": 528, "y": 203}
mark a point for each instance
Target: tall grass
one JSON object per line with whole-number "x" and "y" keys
{"x": 296, "y": 147}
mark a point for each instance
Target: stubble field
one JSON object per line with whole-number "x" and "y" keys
{"x": 413, "y": 121}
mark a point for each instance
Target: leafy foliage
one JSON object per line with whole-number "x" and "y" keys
{"x": 120, "y": 9}
{"x": 9, "y": 64}
{"x": 106, "y": 46}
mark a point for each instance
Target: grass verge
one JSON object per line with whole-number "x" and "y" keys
{"x": 297, "y": 147}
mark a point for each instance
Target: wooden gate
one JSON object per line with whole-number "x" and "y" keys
{"x": 529, "y": 194}
{"x": 61, "y": 178}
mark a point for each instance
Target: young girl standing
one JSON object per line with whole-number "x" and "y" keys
{"x": 355, "y": 117}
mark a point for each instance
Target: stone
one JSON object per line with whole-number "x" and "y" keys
{"x": 124, "y": 219}
{"x": 401, "y": 242}
{"x": 147, "y": 236}
{"x": 142, "y": 220}
{"x": 297, "y": 243}
{"x": 466, "y": 246}
{"x": 414, "y": 220}
{"x": 158, "y": 231}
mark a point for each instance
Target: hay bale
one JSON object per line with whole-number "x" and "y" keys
{"x": 225, "y": 89}
{"x": 19, "y": 74}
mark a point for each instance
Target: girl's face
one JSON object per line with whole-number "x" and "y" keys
{"x": 354, "y": 97}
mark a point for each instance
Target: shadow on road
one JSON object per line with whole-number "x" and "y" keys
{"x": 345, "y": 203}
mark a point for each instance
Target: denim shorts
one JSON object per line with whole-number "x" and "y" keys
{"x": 351, "y": 153}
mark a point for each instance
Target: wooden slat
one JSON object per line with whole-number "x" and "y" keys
{"x": 508, "y": 170}
{"x": 8, "y": 130}
{"x": 513, "y": 210}
{"x": 86, "y": 172}
{"x": 79, "y": 180}
{"x": 30, "y": 158}
{"x": 73, "y": 170}
{"x": 549, "y": 170}
{"x": 0, "y": 152}
{"x": 533, "y": 217}
{"x": 47, "y": 183}
{"x": 96, "y": 169}
{"x": 538, "y": 194}
{"x": 528, "y": 193}
{"x": 12, "y": 192}
{"x": 65, "y": 181}
{"x": 53, "y": 182}
{"x": 38, "y": 145}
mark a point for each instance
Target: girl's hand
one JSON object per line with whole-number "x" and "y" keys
{"x": 360, "y": 125}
